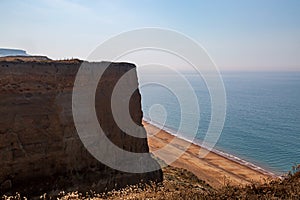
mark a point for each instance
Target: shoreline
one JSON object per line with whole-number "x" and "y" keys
{"x": 218, "y": 165}
{"x": 218, "y": 152}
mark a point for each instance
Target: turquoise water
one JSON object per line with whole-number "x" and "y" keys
{"x": 262, "y": 120}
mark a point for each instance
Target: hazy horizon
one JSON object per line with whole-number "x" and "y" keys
{"x": 239, "y": 36}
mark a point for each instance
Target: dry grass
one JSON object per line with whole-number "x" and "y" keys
{"x": 176, "y": 183}
{"x": 182, "y": 184}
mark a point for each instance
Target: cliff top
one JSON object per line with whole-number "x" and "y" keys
{"x": 46, "y": 60}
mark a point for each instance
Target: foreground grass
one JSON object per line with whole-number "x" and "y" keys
{"x": 182, "y": 184}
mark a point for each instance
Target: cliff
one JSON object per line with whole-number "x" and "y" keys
{"x": 39, "y": 143}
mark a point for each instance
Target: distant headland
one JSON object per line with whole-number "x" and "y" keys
{"x": 12, "y": 52}
{"x": 17, "y": 55}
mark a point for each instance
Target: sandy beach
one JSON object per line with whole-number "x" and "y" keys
{"x": 215, "y": 169}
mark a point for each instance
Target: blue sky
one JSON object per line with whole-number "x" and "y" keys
{"x": 238, "y": 35}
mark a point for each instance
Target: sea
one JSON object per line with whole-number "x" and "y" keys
{"x": 262, "y": 123}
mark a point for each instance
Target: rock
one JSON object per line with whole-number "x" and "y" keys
{"x": 37, "y": 132}
{"x": 6, "y": 185}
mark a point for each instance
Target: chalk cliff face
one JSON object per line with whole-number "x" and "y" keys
{"x": 38, "y": 139}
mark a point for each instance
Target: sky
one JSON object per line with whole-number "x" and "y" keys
{"x": 238, "y": 35}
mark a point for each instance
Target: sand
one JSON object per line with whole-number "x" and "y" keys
{"x": 215, "y": 169}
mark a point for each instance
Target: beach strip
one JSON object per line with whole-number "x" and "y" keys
{"x": 215, "y": 169}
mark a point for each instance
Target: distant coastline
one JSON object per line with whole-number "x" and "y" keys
{"x": 12, "y": 52}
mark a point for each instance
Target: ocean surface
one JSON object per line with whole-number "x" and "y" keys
{"x": 262, "y": 124}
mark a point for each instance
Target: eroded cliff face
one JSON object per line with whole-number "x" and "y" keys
{"x": 38, "y": 138}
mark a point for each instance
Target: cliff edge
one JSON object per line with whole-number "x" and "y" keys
{"x": 39, "y": 144}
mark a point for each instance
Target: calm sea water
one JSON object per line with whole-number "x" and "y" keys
{"x": 263, "y": 114}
